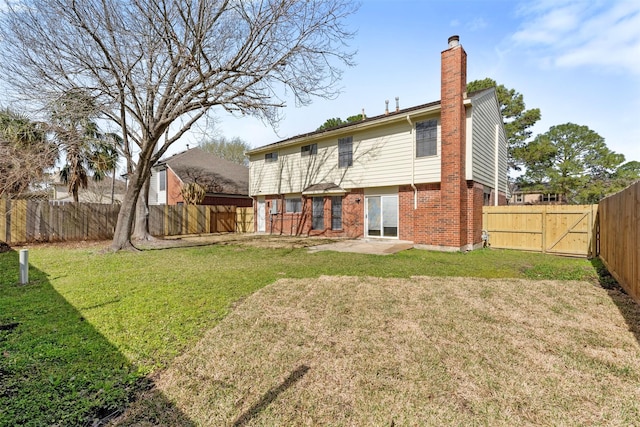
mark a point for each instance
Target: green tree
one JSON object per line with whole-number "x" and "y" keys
{"x": 337, "y": 121}
{"x": 570, "y": 160}
{"x": 331, "y": 123}
{"x": 88, "y": 152}
{"x": 518, "y": 121}
{"x": 25, "y": 152}
{"x": 233, "y": 149}
{"x": 625, "y": 175}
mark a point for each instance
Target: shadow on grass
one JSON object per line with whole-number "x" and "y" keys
{"x": 629, "y": 308}
{"x": 55, "y": 367}
{"x": 270, "y": 396}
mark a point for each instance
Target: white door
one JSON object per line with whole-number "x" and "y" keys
{"x": 261, "y": 215}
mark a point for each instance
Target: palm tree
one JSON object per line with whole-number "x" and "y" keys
{"x": 89, "y": 152}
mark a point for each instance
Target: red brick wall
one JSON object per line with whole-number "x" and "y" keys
{"x": 296, "y": 224}
{"x": 452, "y": 219}
{"x": 502, "y": 199}
{"x": 173, "y": 188}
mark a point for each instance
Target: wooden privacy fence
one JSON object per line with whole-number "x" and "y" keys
{"x": 619, "y": 245}
{"x": 23, "y": 221}
{"x": 175, "y": 220}
{"x": 562, "y": 230}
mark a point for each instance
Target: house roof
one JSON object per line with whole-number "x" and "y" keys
{"x": 324, "y": 188}
{"x": 368, "y": 121}
{"x": 215, "y": 174}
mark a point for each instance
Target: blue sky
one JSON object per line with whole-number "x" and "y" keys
{"x": 576, "y": 60}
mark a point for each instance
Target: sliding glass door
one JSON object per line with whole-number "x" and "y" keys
{"x": 382, "y": 216}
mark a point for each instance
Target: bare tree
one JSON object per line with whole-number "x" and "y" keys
{"x": 25, "y": 153}
{"x": 155, "y": 67}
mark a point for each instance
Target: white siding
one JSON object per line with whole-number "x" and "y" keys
{"x": 153, "y": 188}
{"x": 382, "y": 156}
{"x": 485, "y": 115}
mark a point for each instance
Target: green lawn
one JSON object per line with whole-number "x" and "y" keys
{"x": 78, "y": 341}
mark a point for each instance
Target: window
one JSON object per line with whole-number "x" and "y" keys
{"x": 345, "y": 152}
{"x": 427, "y": 138}
{"x": 162, "y": 180}
{"x": 274, "y": 207}
{"x": 271, "y": 157}
{"x": 519, "y": 198}
{"x": 336, "y": 213}
{"x": 486, "y": 199}
{"x": 309, "y": 150}
{"x": 317, "y": 213}
{"x": 294, "y": 205}
{"x": 550, "y": 197}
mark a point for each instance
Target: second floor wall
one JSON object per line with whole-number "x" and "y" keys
{"x": 382, "y": 154}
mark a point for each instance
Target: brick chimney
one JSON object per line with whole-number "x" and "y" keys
{"x": 453, "y": 220}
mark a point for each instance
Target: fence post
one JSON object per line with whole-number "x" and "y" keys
{"x": 544, "y": 230}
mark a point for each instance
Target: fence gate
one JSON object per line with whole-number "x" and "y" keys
{"x": 563, "y": 230}
{"x": 223, "y": 219}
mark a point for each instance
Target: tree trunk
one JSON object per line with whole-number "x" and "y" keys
{"x": 141, "y": 222}
{"x": 126, "y": 216}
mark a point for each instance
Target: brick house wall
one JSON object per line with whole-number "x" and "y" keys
{"x": 442, "y": 215}
{"x": 174, "y": 185}
{"x": 299, "y": 224}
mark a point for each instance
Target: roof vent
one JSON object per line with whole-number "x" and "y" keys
{"x": 454, "y": 41}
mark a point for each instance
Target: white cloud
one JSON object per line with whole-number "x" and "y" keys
{"x": 477, "y": 24}
{"x": 577, "y": 33}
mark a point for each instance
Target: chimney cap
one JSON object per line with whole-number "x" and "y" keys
{"x": 454, "y": 41}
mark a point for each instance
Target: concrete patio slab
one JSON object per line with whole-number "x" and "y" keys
{"x": 365, "y": 246}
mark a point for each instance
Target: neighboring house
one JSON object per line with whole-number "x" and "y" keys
{"x": 420, "y": 174}
{"x": 226, "y": 183}
{"x": 535, "y": 197}
{"x": 96, "y": 191}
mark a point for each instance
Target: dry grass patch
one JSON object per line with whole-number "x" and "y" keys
{"x": 419, "y": 351}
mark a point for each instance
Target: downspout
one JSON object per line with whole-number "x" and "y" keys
{"x": 413, "y": 165}
{"x": 497, "y": 164}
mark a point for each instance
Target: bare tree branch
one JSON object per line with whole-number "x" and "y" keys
{"x": 155, "y": 67}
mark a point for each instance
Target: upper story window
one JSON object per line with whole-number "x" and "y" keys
{"x": 550, "y": 197}
{"x": 271, "y": 157}
{"x": 162, "y": 180}
{"x": 309, "y": 150}
{"x": 345, "y": 152}
{"x": 427, "y": 138}
{"x": 519, "y": 198}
